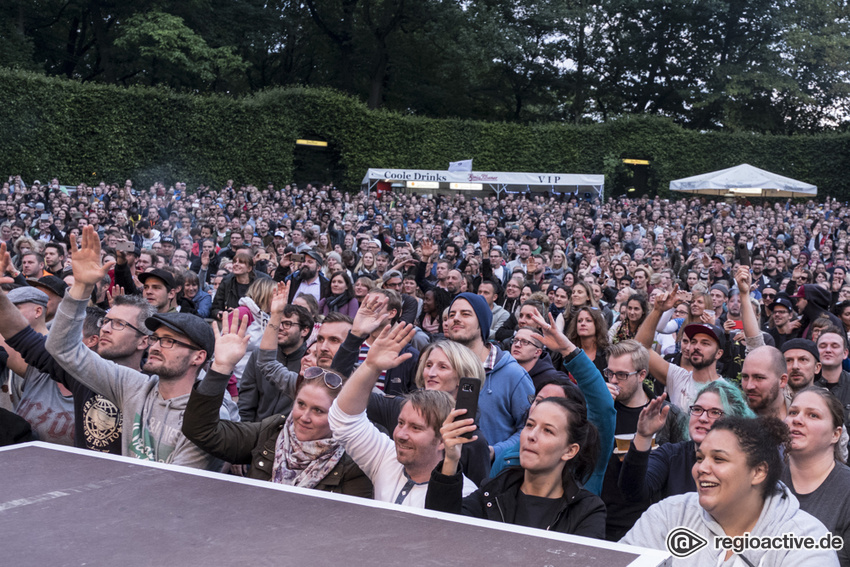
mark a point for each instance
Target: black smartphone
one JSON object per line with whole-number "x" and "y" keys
{"x": 467, "y": 398}
{"x": 744, "y": 253}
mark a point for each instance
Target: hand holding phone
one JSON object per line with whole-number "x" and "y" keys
{"x": 467, "y": 398}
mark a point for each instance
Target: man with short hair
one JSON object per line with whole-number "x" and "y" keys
{"x": 490, "y": 291}
{"x": 32, "y": 265}
{"x": 763, "y": 380}
{"x": 803, "y": 362}
{"x": 167, "y": 248}
{"x": 719, "y": 295}
{"x": 259, "y": 397}
{"x": 628, "y": 366}
{"x": 181, "y": 345}
{"x": 784, "y": 328}
{"x": 393, "y": 280}
{"x": 401, "y": 468}
{"x": 54, "y": 258}
{"x": 506, "y": 398}
{"x": 832, "y": 350}
{"x": 159, "y": 289}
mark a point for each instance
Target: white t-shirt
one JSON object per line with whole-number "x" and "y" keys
{"x": 681, "y": 387}
{"x": 374, "y": 453}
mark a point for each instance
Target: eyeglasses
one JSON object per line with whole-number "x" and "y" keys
{"x": 768, "y": 295}
{"x": 332, "y": 380}
{"x": 117, "y": 325}
{"x": 621, "y": 376}
{"x": 697, "y": 411}
{"x": 168, "y": 342}
{"x": 523, "y": 342}
{"x": 288, "y": 325}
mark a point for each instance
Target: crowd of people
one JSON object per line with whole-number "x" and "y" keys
{"x": 639, "y": 364}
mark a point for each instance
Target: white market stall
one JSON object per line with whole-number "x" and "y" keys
{"x": 744, "y": 181}
{"x": 498, "y": 181}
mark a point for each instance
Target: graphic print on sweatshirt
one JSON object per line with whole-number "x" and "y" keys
{"x": 154, "y": 440}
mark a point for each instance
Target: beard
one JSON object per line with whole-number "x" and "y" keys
{"x": 307, "y": 273}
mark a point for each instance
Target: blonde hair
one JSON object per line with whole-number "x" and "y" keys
{"x": 261, "y": 291}
{"x": 462, "y": 359}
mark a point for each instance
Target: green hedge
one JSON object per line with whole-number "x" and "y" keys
{"x": 87, "y": 132}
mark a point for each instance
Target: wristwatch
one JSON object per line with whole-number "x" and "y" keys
{"x": 569, "y": 358}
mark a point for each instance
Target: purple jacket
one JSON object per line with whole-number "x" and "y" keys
{"x": 349, "y": 308}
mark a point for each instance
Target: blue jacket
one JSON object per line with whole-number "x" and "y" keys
{"x": 203, "y": 303}
{"x": 600, "y": 412}
{"x": 503, "y": 401}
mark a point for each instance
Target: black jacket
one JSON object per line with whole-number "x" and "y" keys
{"x": 324, "y": 285}
{"x": 227, "y": 296}
{"x": 582, "y": 512}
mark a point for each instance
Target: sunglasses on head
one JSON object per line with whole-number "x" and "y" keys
{"x": 332, "y": 379}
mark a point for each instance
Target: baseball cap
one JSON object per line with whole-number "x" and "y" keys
{"x": 712, "y": 331}
{"x": 784, "y": 302}
{"x": 280, "y": 233}
{"x": 27, "y": 294}
{"x": 191, "y": 326}
{"x": 166, "y": 240}
{"x": 801, "y": 292}
{"x": 163, "y": 275}
{"x": 50, "y": 283}
{"x": 720, "y": 257}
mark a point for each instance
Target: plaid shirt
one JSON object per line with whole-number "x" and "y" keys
{"x": 491, "y": 358}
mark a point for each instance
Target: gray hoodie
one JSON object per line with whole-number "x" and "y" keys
{"x": 152, "y": 425}
{"x": 781, "y": 514}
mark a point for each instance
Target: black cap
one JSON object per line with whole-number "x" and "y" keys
{"x": 712, "y": 331}
{"x": 801, "y": 344}
{"x": 784, "y": 302}
{"x": 51, "y": 284}
{"x": 191, "y": 326}
{"x": 167, "y": 240}
{"x": 315, "y": 255}
{"x": 163, "y": 275}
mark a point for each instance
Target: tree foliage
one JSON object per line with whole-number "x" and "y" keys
{"x": 771, "y": 66}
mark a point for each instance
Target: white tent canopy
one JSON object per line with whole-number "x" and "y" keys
{"x": 744, "y": 180}
{"x": 498, "y": 181}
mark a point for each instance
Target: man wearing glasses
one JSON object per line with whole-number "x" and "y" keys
{"x": 180, "y": 345}
{"x": 628, "y": 365}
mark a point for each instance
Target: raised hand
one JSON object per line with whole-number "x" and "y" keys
{"x": 666, "y": 301}
{"x": 370, "y": 316}
{"x": 428, "y": 249}
{"x": 484, "y": 242}
{"x": 650, "y": 422}
{"x": 85, "y": 260}
{"x": 707, "y": 317}
{"x": 743, "y": 278}
{"x": 553, "y": 339}
{"x": 384, "y": 352}
{"x": 5, "y": 265}
{"x": 113, "y": 293}
{"x": 280, "y": 299}
{"x": 231, "y": 343}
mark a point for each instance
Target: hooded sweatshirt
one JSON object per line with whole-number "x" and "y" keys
{"x": 152, "y": 425}
{"x": 781, "y": 514}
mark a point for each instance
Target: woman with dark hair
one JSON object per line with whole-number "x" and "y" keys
{"x": 737, "y": 472}
{"x": 842, "y": 311}
{"x": 433, "y": 307}
{"x": 624, "y": 329}
{"x": 588, "y": 330}
{"x": 558, "y": 448}
{"x": 342, "y": 298}
{"x": 295, "y": 450}
{"x": 235, "y": 285}
{"x": 816, "y": 473}
{"x": 192, "y": 290}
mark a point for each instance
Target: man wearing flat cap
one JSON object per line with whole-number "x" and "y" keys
{"x": 152, "y": 405}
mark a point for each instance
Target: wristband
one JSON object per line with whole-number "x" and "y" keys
{"x": 569, "y": 358}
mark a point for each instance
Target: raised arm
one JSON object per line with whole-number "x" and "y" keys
{"x": 665, "y": 301}
{"x": 383, "y": 355}
{"x": 752, "y": 332}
